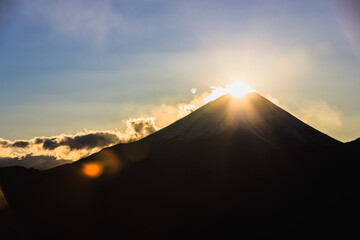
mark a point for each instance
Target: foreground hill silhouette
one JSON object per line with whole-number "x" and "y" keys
{"x": 236, "y": 167}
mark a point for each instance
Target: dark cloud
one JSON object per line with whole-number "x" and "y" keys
{"x": 16, "y": 144}
{"x": 20, "y": 144}
{"x": 91, "y": 140}
{"x": 50, "y": 144}
{"x": 39, "y": 140}
{"x": 4, "y": 143}
{"x": 77, "y": 142}
{"x": 29, "y": 161}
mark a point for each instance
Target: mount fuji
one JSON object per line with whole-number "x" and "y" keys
{"x": 236, "y": 167}
{"x": 250, "y": 115}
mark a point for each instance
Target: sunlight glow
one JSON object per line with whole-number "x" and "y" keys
{"x": 3, "y": 202}
{"x": 236, "y": 89}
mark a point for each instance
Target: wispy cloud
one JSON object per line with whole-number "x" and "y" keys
{"x": 320, "y": 115}
{"x": 90, "y": 19}
{"x": 316, "y": 113}
{"x": 274, "y": 100}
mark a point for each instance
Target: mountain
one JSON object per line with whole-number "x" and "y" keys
{"x": 251, "y": 115}
{"x": 235, "y": 168}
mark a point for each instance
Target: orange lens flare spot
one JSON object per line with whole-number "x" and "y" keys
{"x": 92, "y": 170}
{"x": 111, "y": 162}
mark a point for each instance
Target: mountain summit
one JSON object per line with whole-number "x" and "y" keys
{"x": 252, "y": 116}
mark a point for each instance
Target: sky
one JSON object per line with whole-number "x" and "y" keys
{"x": 71, "y": 68}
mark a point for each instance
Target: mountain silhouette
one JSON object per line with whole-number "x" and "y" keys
{"x": 236, "y": 167}
{"x": 250, "y": 115}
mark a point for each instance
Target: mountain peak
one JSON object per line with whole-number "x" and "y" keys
{"x": 251, "y": 114}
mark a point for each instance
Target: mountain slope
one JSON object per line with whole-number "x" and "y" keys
{"x": 250, "y": 125}
{"x": 235, "y": 168}
{"x": 252, "y": 114}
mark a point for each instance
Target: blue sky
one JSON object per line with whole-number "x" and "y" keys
{"x": 66, "y": 66}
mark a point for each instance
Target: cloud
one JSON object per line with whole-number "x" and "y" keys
{"x": 320, "y": 115}
{"x": 66, "y": 147}
{"x": 4, "y": 143}
{"x": 139, "y": 127}
{"x": 20, "y": 144}
{"x": 47, "y": 152}
{"x": 80, "y": 141}
{"x": 166, "y": 114}
{"x": 84, "y": 19}
{"x": 316, "y": 113}
{"x": 71, "y": 147}
{"x": 61, "y": 147}
{"x": 185, "y": 110}
{"x": 274, "y": 100}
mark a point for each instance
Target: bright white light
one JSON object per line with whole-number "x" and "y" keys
{"x": 236, "y": 89}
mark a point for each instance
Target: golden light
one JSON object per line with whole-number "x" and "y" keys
{"x": 3, "y": 202}
{"x": 92, "y": 170}
{"x": 236, "y": 89}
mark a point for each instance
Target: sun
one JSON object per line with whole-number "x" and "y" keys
{"x": 236, "y": 89}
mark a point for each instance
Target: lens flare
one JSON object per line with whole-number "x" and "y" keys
{"x": 92, "y": 170}
{"x": 111, "y": 163}
{"x": 236, "y": 89}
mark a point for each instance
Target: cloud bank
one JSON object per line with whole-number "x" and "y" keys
{"x": 47, "y": 152}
